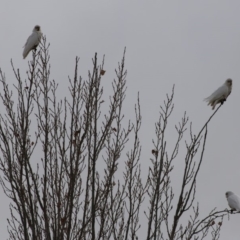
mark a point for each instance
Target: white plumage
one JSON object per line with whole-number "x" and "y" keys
{"x": 233, "y": 201}
{"x": 220, "y": 95}
{"x": 32, "y": 41}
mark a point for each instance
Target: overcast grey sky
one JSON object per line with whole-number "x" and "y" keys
{"x": 192, "y": 44}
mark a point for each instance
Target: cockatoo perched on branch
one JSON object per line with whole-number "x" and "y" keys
{"x": 233, "y": 201}
{"x": 32, "y": 41}
{"x": 221, "y": 94}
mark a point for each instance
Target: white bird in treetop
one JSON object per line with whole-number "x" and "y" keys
{"x": 32, "y": 41}
{"x": 233, "y": 201}
{"x": 221, "y": 94}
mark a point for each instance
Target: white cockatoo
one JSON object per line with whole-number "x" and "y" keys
{"x": 221, "y": 94}
{"x": 32, "y": 41}
{"x": 233, "y": 201}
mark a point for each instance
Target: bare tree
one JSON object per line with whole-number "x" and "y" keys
{"x": 51, "y": 152}
{"x": 160, "y": 189}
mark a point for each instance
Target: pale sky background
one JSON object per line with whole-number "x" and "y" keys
{"x": 192, "y": 44}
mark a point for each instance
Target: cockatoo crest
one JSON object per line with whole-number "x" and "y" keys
{"x": 32, "y": 41}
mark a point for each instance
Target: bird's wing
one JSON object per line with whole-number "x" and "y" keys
{"x": 32, "y": 41}
{"x": 234, "y": 202}
{"x": 218, "y": 94}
